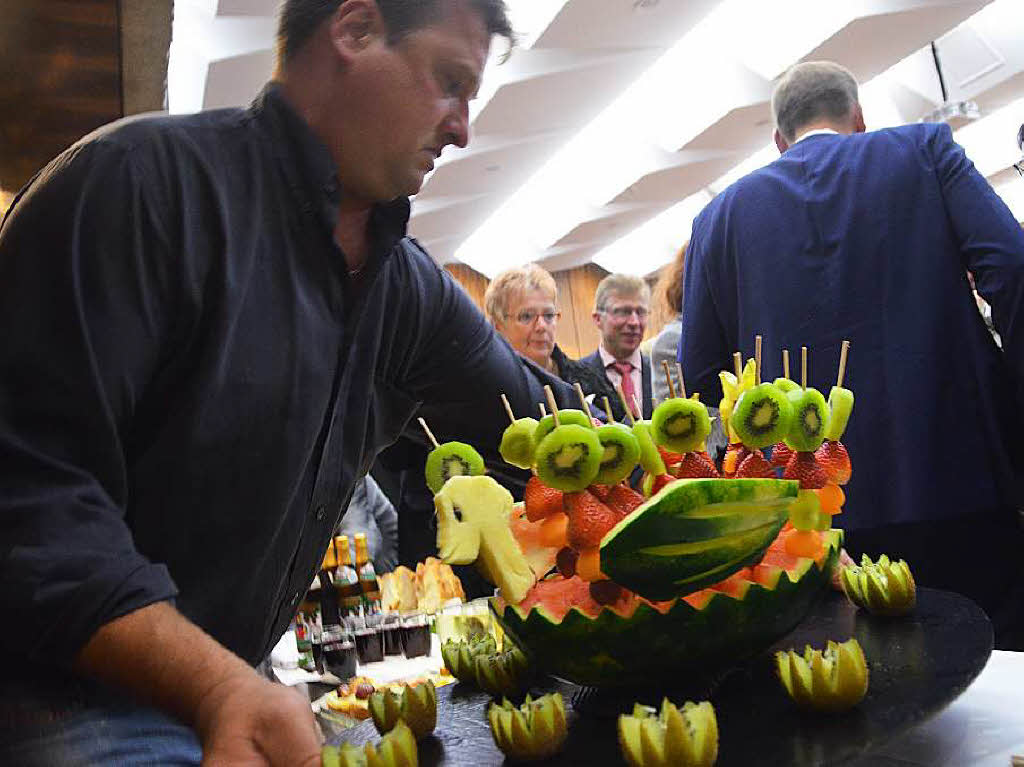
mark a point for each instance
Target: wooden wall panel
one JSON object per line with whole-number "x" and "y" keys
{"x": 474, "y": 283}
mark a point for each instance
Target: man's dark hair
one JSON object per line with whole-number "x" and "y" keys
{"x": 299, "y": 19}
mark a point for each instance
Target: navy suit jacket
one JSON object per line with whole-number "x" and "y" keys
{"x": 594, "y": 360}
{"x": 869, "y": 238}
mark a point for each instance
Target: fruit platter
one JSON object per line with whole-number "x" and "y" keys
{"x": 638, "y": 572}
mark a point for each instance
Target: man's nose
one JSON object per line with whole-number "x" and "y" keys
{"x": 456, "y": 125}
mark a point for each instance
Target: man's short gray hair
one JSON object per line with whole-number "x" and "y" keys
{"x": 811, "y": 91}
{"x": 622, "y": 286}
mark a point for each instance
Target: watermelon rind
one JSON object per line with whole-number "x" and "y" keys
{"x": 695, "y": 532}
{"x": 615, "y": 650}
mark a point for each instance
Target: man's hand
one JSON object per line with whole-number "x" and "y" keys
{"x": 241, "y": 719}
{"x": 256, "y": 722}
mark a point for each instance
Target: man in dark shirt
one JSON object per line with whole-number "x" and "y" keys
{"x": 212, "y": 324}
{"x": 869, "y": 237}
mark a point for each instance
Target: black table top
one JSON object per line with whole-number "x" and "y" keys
{"x": 918, "y": 664}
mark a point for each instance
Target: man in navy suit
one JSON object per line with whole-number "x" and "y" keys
{"x": 621, "y": 307}
{"x": 870, "y": 237}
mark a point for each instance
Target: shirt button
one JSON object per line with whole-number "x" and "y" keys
{"x": 321, "y": 512}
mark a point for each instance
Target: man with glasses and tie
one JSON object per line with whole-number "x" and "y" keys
{"x": 621, "y": 307}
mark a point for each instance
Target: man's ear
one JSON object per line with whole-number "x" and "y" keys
{"x": 354, "y": 26}
{"x": 858, "y": 120}
{"x": 780, "y": 142}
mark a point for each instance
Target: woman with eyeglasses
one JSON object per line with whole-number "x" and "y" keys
{"x": 522, "y": 304}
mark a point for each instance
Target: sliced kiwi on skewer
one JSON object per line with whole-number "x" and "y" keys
{"x": 810, "y": 420}
{"x": 840, "y": 406}
{"x": 762, "y": 416}
{"x": 547, "y": 423}
{"x": 452, "y": 459}
{"x": 517, "y": 444}
{"x": 785, "y": 384}
{"x": 650, "y": 458}
{"x": 569, "y": 457}
{"x": 680, "y": 425}
{"x": 621, "y": 453}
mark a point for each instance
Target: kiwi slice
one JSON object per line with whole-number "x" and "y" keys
{"x": 810, "y": 420}
{"x": 569, "y": 457}
{"x": 785, "y": 384}
{"x": 547, "y": 423}
{"x": 840, "y": 405}
{"x": 650, "y": 458}
{"x": 680, "y": 425}
{"x": 621, "y": 453}
{"x": 452, "y": 459}
{"x": 762, "y": 416}
{"x": 517, "y": 443}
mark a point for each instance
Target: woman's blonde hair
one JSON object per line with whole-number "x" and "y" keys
{"x": 512, "y": 282}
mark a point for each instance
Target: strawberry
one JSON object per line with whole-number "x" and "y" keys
{"x": 623, "y": 500}
{"x": 781, "y": 453}
{"x": 835, "y": 461}
{"x": 803, "y": 467}
{"x": 540, "y": 500}
{"x": 734, "y": 455}
{"x": 589, "y": 520}
{"x": 696, "y": 465}
{"x": 668, "y": 457}
{"x": 601, "y": 491}
{"x": 755, "y": 465}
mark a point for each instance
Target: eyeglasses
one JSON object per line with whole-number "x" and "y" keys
{"x": 625, "y": 312}
{"x": 528, "y": 317}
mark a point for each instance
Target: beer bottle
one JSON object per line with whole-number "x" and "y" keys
{"x": 367, "y": 577}
{"x": 346, "y": 580}
{"x": 329, "y": 612}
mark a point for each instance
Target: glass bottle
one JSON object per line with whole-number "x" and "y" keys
{"x": 367, "y": 577}
{"x": 346, "y": 581}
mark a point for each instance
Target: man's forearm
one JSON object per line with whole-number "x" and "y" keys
{"x": 163, "y": 658}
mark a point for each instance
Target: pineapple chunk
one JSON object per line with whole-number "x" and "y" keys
{"x": 473, "y": 516}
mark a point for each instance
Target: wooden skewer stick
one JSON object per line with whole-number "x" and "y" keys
{"x": 785, "y": 363}
{"x": 552, "y": 404}
{"x": 842, "y": 363}
{"x": 668, "y": 378}
{"x": 543, "y": 410}
{"x": 737, "y": 360}
{"x": 682, "y": 384}
{"x": 608, "y": 410}
{"x": 803, "y": 367}
{"x": 625, "y": 405}
{"x": 430, "y": 434}
{"x": 583, "y": 400}
{"x": 757, "y": 360}
{"x": 508, "y": 408}
{"x": 636, "y": 403}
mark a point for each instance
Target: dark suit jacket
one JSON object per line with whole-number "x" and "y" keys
{"x": 870, "y": 237}
{"x": 595, "y": 362}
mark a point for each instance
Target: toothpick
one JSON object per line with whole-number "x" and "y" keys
{"x": 552, "y": 404}
{"x": 757, "y": 360}
{"x": 625, "y": 405}
{"x": 636, "y": 402}
{"x": 430, "y": 434}
{"x": 608, "y": 410}
{"x": 785, "y": 363}
{"x": 668, "y": 377}
{"x": 842, "y": 363}
{"x": 543, "y": 411}
{"x": 737, "y": 360}
{"x": 682, "y": 384}
{"x": 583, "y": 400}
{"x": 508, "y": 408}
{"x": 803, "y": 367}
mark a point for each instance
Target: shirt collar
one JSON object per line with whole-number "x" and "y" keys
{"x": 607, "y": 359}
{"x": 816, "y": 132}
{"x": 311, "y": 173}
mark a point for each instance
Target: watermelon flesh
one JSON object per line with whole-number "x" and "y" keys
{"x": 636, "y": 642}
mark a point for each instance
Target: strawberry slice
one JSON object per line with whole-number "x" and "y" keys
{"x": 623, "y": 500}
{"x": 835, "y": 461}
{"x": 803, "y": 467}
{"x": 589, "y": 520}
{"x": 755, "y": 465}
{"x": 696, "y": 465}
{"x": 540, "y": 500}
{"x": 781, "y": 453}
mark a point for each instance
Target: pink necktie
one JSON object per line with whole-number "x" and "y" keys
{"x": 626, "y": 371}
